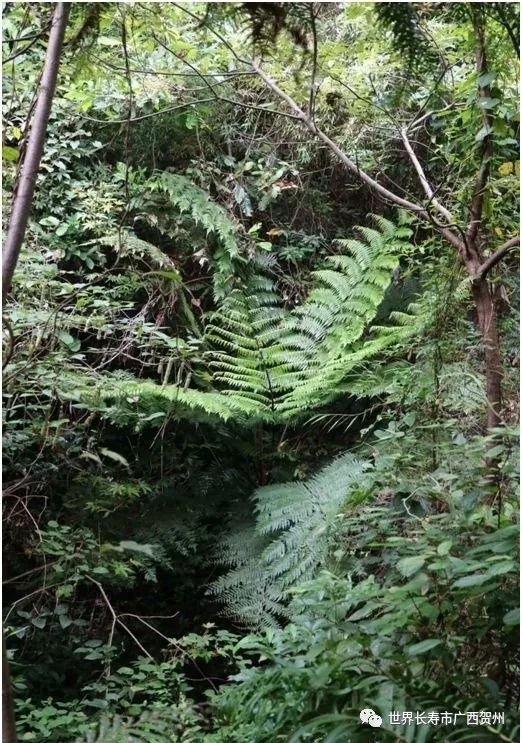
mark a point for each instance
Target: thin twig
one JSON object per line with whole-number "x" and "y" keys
{"x": 116, "y": 619}
{"x": 168, "y": 109}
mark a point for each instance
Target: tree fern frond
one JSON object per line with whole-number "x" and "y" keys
{"x": 265, "y": 361}
{"x": 292, "y": 536}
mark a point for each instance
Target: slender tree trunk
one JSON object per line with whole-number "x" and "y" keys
{"x": 487, "y": 323}
{"x": 8, "y": 719}
{"x": 484, "y": 302}
{"x": 21, "y": 209}
{"x": 23, "y": 197}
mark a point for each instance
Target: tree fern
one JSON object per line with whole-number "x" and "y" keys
{"x": 291, "y": 538}
{"x": 265, "y": 362}
{"x": 298, "y": 360}
{"x": 242, "y": 336}
{"x": 344, "y": 301}
{"x": 118, "y": 730}
{"x": 124, "y": 399}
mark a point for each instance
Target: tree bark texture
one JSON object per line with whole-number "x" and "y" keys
{"x": 21, "y": 209}
{"x": 8, "y": 719}
{"x": 487, "y": 323}
{"x": 23, "y": 197}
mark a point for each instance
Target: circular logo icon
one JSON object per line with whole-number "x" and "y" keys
{"x": 375, "y": 721}
{"x": 369, "y": 717}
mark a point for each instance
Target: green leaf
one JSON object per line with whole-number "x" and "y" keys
{"x": 410, "y": 565}
{"x": 97, "y": 703}
{"x": 500, "y": 568}
{"x": 364, "y": 611}
{"x": 49, "y": 222}
{"x": 65, "y": 621}
{"x": 66, "y": 338}
{"x": 484, "y": 132}
{"x": 93, "y": 643}
{"x": 476, "y": 579}
{"x": 191, "y": 120}
{"x": 146, "y": 549}
{"x": 486, "y": 79}
{"x": 154, "y": 416}
{"x": 100, "y": 570}
{"x": 512, "y": 617}
{"x": 62, "y": 229}
{"x": 487, "y": 103}
{"x": 108, "y": 41}
{"x": 495, "y": 451}
{"x": 171, "y": 275}
{"x": 422, "y": 647}
{"x": 125, "y": 671}
{"x": 444, "y": 547}
{"x": 9, "y": 153}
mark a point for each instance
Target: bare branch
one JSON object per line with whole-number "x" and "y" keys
{"x": 497, "y": 256}
{"x": 418, "y": 120}
{"x": 418, "y": 209}
{"x": 203, "y": 22}
{"x": 430, "y": 193}
{"x": 18, "y": 578}
{"x": 11, "y": 343}
{"x": 209, "y": 85}
{"x": 171, "y": 641}
{"x": 168, "y": 109}
{"x": 116, "y": 619}
{"x": 311, "y": 101}
{"x": 163, "y": 73}
{"x": 42, "y": 589}
{"x": 477, "y": 202}
{"x": 350, "y": 164}
{"x": 28, "y": 46}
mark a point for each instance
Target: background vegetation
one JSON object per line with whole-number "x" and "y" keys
{"x": 260, "y": 384}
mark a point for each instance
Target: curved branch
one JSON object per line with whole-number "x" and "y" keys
{"x": 34, "y": 39}
{"x": 497, "y": 256}
{"x": 350, "y": 164}
{"x": 411, "y": 206}
{"x": 210, "y": 86}
{"x": 430, "y": 193}
{"x": 116, "y": 618}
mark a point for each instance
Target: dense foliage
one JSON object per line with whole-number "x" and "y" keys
{"x": 249, "y": 484}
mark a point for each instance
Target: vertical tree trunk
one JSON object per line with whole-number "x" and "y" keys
{"x": 19, "y": 218}
{"x": 8, "y": 719}
{"x": 487, "y": 323}
{"x": 23, "y": 197}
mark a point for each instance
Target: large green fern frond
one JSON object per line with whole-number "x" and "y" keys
{"x": 291, "y": 538}
{"x": 265, "y": 362}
